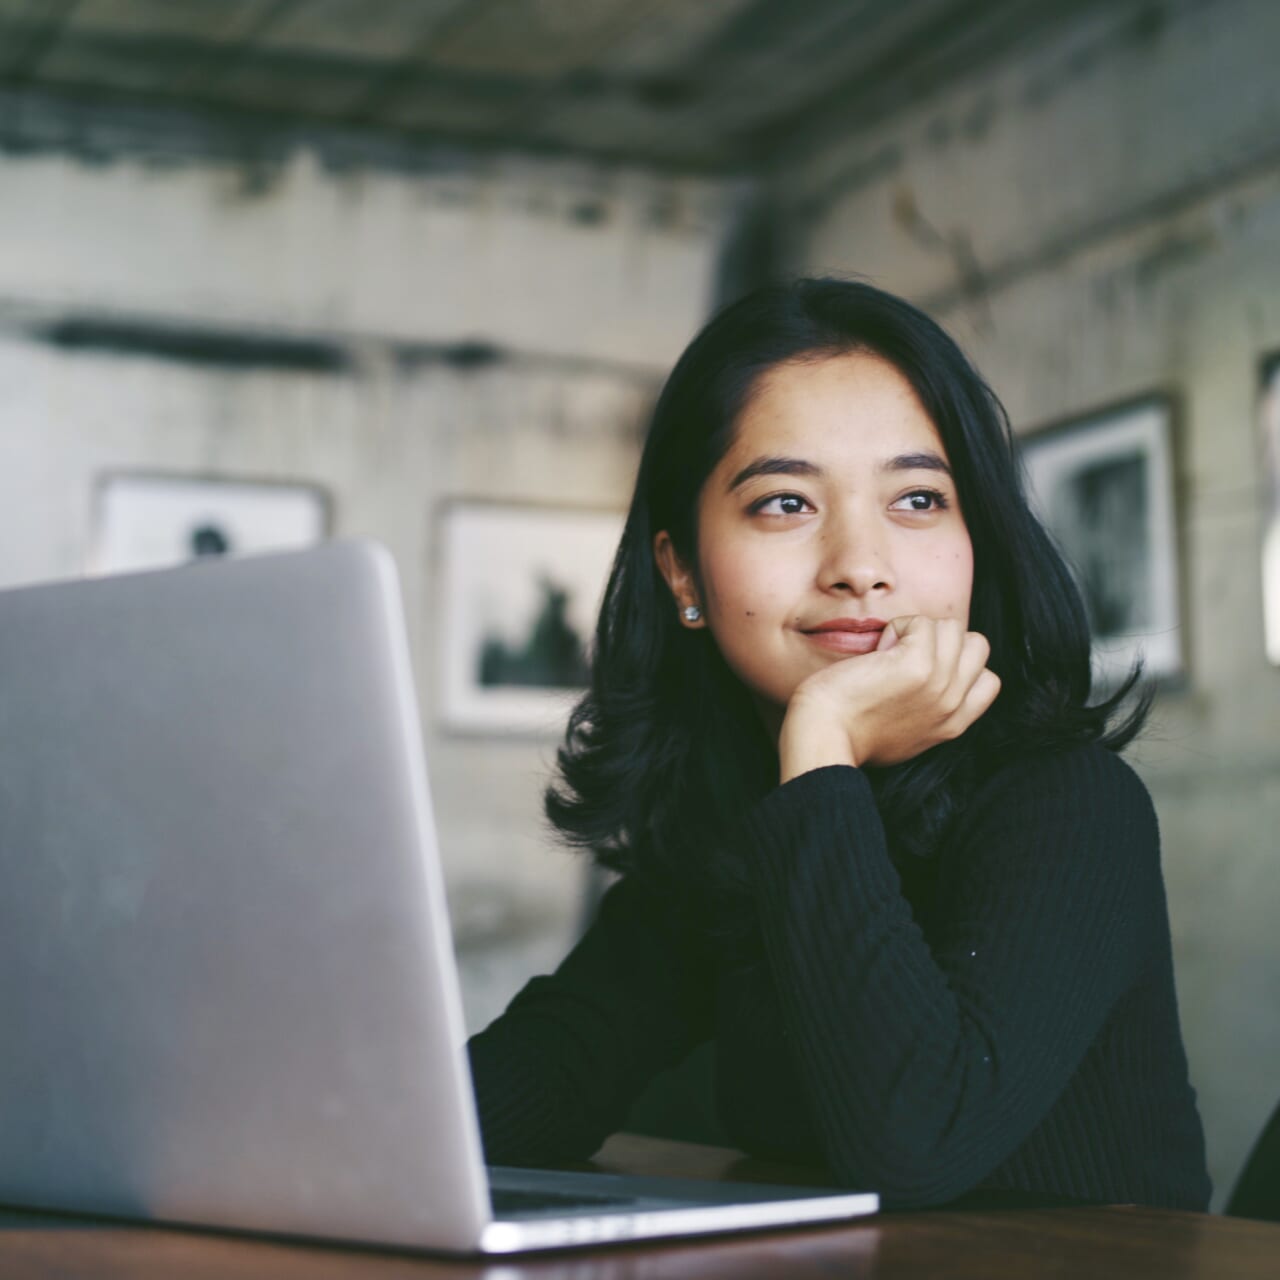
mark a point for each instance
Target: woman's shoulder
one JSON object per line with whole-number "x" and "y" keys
{"x": 1067, "y": 772}
{"x": 1080, "y": 790}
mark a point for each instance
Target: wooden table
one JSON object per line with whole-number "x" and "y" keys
{"x": 948, "y": 1245}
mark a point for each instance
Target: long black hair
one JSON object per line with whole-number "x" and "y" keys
{"x": 666, "y": 748}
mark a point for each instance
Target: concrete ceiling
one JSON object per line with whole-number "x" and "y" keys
{"x": 712, "y": 85}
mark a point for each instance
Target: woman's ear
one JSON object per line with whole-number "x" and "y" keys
{"x": 680, "y": 580}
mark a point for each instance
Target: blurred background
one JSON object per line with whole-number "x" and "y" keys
{"x": 272, "y": 270}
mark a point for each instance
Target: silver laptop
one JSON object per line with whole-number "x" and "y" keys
{"x": 227, "y": 987}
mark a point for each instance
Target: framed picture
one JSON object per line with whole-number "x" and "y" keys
{"x": 1103, "y": 486}
{"x": 1269, "y": 424}
{"x": 520, "y": 587}
{"x": 146, "y": 520}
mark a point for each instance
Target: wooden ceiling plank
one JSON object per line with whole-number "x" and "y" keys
{"x": 24, "y": 13}
{"x": 311, "y": 87}
{"x": 772, "y": 58}
{"x": 385, "y": 31}
{"x": 232, "y": 51}
{"x": 672, "y": 38}
{"x": 216, "y": 21}
{"x": 32, "y": 43}
{"x": 761, "y": 50}
{"x": 532, "y": 113}
{"x": 386, "y": 90}
{"x": 961, "y": 38}
{"x": 113, "y": 64}
{"x": 534, "y": 38}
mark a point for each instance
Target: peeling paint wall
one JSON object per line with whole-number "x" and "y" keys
{"x": 493, "y": 328}
{"x": 1098, "y": 219}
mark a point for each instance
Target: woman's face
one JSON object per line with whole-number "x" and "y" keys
{"x": 834, "y": 504}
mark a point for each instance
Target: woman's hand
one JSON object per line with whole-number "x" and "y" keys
{"x": 926, "y": 682}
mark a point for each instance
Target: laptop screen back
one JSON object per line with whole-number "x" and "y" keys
{"x": 225, "y": 980}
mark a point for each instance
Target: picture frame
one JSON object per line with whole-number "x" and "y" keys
{"x": 520, "y": 585}
{"x": 1269, "y": 449}
{"x": 1103, "y": 486}
{"x": 155, "y": 520}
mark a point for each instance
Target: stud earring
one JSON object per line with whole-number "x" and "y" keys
{"x": 692, "y": 613}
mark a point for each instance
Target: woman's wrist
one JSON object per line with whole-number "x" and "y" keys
{"x": 807, "y": 743}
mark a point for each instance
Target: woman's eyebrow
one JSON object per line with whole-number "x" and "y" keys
{"x": 774, "y": 466}
{"x": 926, "y": 461}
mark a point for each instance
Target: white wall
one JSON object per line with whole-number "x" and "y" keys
{"x": 1098, "y": 218}
{"x": 587, "y": 281}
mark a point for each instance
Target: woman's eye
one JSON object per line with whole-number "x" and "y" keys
{"x": 921, "y": 500}
{"x": 781, "y": 504}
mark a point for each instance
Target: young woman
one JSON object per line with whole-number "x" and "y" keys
{"x": 874, "y": 841}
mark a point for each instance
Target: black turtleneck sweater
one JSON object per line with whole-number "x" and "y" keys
{"x": 1004, "y": 1022}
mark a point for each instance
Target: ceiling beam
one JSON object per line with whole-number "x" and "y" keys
{"x": 40, "y": 40}
{"x": 221, "y": 57}
{"x": 391, "y": 84}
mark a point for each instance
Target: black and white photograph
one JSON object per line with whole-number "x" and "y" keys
{"x": 155, "y": 521}
{"x": 520, "y": 586}
{"x": 1103, "y": 486}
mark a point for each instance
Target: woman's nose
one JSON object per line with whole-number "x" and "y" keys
{"x": 855, "y": 558}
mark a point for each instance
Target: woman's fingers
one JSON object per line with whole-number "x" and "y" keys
{"x": 963, "y": 687}
{"x": 986, "y": 688}
{"x": 917, "y": 648}
{"x": 890, "y": 635}
{"x": 970, "y": 664}
{"x": 973, "y": 687}
{"x": 931, "y": 684}
{"x": 982, "y": 693}
{"x": 913, "y": 629}
{"x": 948, "y": 647}
{"x": 932, "y": 650}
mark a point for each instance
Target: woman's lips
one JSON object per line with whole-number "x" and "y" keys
{"x": 847, "y": 635}
{"x": 845, "y": 641}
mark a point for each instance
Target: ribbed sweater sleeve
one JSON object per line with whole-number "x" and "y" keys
{"x": 556, "y": 1073}
{"x": 926, "y": 1063}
